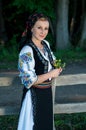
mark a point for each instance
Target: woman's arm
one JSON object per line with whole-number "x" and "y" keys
{"x": 26, "y": 67}
{"x": 52, "y": 74}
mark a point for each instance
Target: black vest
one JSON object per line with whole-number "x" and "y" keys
{"x": 41, "y": 64}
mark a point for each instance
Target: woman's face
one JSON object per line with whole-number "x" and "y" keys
{"x": 40, "y": 30}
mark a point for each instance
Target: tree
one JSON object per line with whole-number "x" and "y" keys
{"x": 62, "y": 34}
{"x": 76, "y": 20}
{"x": 82, "y": 41}
{"x": 3, "y": 36}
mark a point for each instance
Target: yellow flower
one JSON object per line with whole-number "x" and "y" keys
{"x": 58, "y": 63}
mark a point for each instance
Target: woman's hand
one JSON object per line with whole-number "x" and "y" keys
{"x": 51, "y": 74}
{"x": 55, "y": 73}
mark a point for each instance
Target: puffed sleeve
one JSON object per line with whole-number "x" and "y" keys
{"x": 26, "y": 65}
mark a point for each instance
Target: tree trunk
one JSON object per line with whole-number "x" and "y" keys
{"x": 62, "y": 34}
{"x": 73, "y": 18}
{"x": 3, "y": 36}
{"x": 82, "y": 41}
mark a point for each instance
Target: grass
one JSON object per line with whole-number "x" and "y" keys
{"x": 9, "y": 58}
{"x": 71, "y": 55}
{"x": 8, "y": 122}
{"x": 76, "y": 121}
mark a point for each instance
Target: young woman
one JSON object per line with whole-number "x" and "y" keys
{"x": 36, "y": 73}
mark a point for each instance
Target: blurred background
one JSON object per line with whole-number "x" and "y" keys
{"x": 68, "y": 26}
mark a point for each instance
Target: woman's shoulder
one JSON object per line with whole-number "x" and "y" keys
{"x": 25, "y": 49}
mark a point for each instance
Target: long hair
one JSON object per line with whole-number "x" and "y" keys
{"x": 32, "y": 19}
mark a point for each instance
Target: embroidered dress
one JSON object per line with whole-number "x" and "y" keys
{"x": 36, "y": 111}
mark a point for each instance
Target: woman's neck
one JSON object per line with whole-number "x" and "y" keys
{"x": 37, "y": 43}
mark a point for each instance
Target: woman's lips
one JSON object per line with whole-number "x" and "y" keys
{"x": 42, "y": 36}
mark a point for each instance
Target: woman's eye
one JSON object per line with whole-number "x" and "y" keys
{"x": 39, "y": 27}
{"x": 43, "y": 29}
{"x": 46, "y": 28}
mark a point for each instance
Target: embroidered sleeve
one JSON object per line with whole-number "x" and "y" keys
{"x": 26, "y": 68}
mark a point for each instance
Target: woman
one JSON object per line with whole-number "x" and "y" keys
{"x": 36, "y": 72}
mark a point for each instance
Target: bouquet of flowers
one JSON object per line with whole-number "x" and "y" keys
{"x": 58, "y": 63}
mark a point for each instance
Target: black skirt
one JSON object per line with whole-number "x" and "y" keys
{"x": 42, "y": 108}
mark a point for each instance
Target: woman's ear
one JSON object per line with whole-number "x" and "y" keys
{"x": 32, "y": 30}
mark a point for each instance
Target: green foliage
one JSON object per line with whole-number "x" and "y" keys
{"x": 10, "y": 51}
{"x": 72, "y": 54}
{"x": 44, "y": 6}
{"x": 76, "y": 121}
{"x": 58, "y": 63}
{"x": 8, "y": 122}
{"x": 16, "y": 13}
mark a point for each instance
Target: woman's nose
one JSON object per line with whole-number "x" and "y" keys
{"x": 42, "y": 31}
